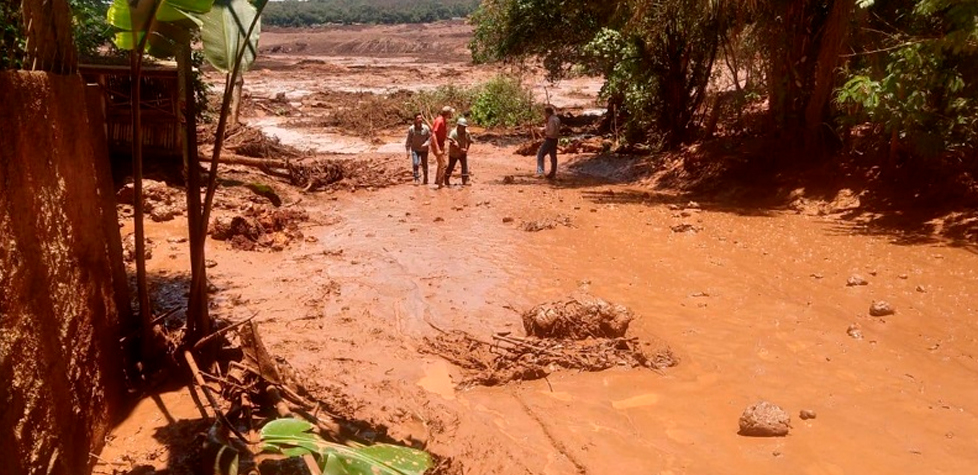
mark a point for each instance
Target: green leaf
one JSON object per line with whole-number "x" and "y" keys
{"x": 121, "y": 14}
{"x": 223, "y": 34}
{"x": 293, "y": 437}
{"x": 405, "y": 460}
{"x": 173, "y": 18}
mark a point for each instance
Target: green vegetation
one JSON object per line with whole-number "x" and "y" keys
{"x": 295, "y": 438}
{"x": 92, "y": 35}
{"x": 907, "y": 68}
{"x": 12, "y": 39}
{"x": 501, "y": 101}
{"x": 429, "y": 102}
{"x": 321, "y": 12}
{"x": 918, "y": 84}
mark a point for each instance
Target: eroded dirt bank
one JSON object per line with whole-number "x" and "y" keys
{"x": 753, "y": 301}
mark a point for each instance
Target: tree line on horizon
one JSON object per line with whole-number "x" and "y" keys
{"x": 298, "y": 13}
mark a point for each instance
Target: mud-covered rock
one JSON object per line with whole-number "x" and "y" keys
{"x": 225, "y": 229}
{"x": 580, "y": 316}
{"x": 546, "y": 223}
{"x": 764, "y": 419}
{"x": 129, "y": 248}
{"x": 160, "y": 202}
{"x": 260, "y": 228}
{"x": 164, "y": 213}
{"x": 856, "y": 280}
{"x": 881, "y": 308}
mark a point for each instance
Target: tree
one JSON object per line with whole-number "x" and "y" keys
{"x": 229, "y": 33}
{"x": 656, "y": 56}
{"x": 806, "y": 38}
{"x": 916, "y": 76}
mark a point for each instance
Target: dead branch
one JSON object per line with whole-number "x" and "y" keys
{"x": 199, "y": 379}
{"x": 208, "y": 338}
{"x": 232, "y": 159}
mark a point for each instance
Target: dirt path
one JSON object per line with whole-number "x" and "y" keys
{"x": 754, "y": 302}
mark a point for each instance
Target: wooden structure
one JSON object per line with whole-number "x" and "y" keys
{"x": 159, "y": 103}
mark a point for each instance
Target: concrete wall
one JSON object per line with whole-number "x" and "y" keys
{"x": 62, "y": 283}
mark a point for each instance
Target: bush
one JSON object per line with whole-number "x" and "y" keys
{"x": 430, "y": 102}
{"x": 501, "y": 101}
{"x": 504, "y": 100}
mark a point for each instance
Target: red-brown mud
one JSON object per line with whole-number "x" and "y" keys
{"x": 753, "y": 300}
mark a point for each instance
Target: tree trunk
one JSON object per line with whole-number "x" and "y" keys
{"x": 142, "y": 289}
{"x": 198, "y": 321}
{"x": 807, "y": 38}
{"x": 832, "y": 41}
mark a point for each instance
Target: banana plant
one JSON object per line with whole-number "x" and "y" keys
{"x": 229, "y": 31}
{"x": 223, "y": 26}
{"x": 295, "y": 438}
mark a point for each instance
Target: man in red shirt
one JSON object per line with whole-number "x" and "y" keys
{"x": 439, "y": 131}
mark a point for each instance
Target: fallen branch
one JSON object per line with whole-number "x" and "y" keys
{"x": 199, "y": 379}
{"x": 203, "y": 341}
{"x": 232, "y": 159}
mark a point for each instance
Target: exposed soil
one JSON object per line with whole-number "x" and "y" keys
{"x": 749, "y": 296}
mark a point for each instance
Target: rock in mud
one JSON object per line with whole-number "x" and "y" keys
{"x": 881, "y": 308}
{"x": 578, "y": 317}
{"x": 224, "y": 229}
{"x": 921, "y": 289}
{"x": 684, "y": 228}
{"x": 807, "y": 414}
{"x": 764, "y": 419}
{"x": 508, "y": 219}
{"x": 856, "y": 280}
{"x": 164, "y": 213}
{"x": 129, "y": 248}
{"x": 854, "y": 331}
{"x": 161, "y": 202}
{"x": 548, "y": 223}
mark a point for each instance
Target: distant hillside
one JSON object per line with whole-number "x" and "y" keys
{"x": 318, "y": 12}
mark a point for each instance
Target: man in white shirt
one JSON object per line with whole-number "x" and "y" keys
{"x": 551, "y": 134}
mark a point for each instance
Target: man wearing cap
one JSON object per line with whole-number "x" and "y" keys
{"x": 416, "y": 146}
{"x": 458, "y": 151}
{"x": 439, "y": 129}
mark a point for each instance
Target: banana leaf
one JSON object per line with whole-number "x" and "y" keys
{"x": 294, "y": 437}
{"x": 171, "y": 15}
{"x": 223, "y": 33}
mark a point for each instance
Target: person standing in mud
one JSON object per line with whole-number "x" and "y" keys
{"x": 551, "y": 134}
{"x": 458, "y": 151}
{"x": 416, "y": 145}
{"x": 439, "y": 131}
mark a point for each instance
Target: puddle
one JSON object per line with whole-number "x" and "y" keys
{"x": 437, "y": 379}
{"x": 311, "y": 139}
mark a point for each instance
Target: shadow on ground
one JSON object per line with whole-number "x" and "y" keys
{"x": 912, "y": 204}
